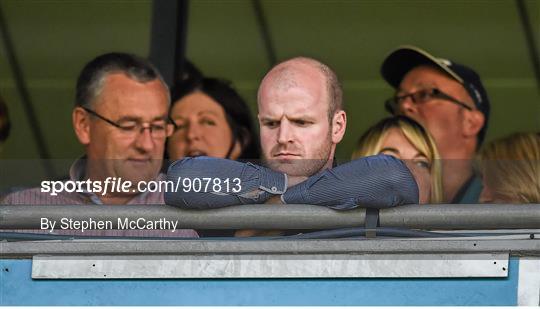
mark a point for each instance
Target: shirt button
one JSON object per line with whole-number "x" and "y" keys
{"x": 274, "y": 189}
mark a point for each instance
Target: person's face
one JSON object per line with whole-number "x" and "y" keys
{"x": 113, "y": 152}
{"x": 201, "y": 129}
{"x": 396, "y": 144}
{"x": 443, "y": 119}
{"x": 491, "y": 196}
{"x": 294, "y": 126}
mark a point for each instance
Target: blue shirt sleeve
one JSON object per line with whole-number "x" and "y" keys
{"x": 256, "y": 183}
{"x": 372, "y": 182}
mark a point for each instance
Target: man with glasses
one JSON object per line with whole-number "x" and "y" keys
{"x": 450, "y": 101}
{"x": 121, "y": 119}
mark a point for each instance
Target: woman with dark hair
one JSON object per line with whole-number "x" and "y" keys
{"x": 211, "y": 119}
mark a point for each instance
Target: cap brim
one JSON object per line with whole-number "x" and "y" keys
{"x": 400, "y": 61}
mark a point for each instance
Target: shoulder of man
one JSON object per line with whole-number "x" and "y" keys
{"x": 35, "y": 196}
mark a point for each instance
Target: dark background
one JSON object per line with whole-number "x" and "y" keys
{"x": 54, "y": 39}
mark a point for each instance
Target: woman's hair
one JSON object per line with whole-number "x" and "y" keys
{"x": 371, "y": 141}
{"x": 511, "y": 166}
{"x": 237, "y": 112}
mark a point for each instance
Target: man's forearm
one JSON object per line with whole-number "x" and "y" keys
{"x": 255, "y": 185}
{"x": 378, "y": 181}
{"x": 372, "y": 182}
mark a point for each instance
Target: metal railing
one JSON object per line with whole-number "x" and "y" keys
{"x": 430, "y": 217}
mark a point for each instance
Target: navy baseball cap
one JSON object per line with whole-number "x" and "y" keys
{"x": 405, "y": 58}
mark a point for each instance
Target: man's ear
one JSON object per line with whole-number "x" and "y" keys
{"x": 81, "y": 125}
{"x": 339, "y": 123}
{"x": 473, "y": 122}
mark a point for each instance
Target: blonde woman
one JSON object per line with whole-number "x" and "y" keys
{"x": 407, "y": 140}
{"x": 511, "y": 169}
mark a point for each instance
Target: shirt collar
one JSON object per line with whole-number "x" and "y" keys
{"x": 77, "y": 172}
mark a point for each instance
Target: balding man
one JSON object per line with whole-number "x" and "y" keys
{"x": 301, "y": 117}
{"x": 302, "y": 120}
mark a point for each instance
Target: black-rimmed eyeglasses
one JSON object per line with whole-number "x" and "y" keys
{"x": 422, "y": 96}
{"x": 159, "y": 129}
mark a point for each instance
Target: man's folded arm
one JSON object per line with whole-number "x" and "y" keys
{"x": 378, "y": 182}
{"x": 239, "y": 183}
{"x": 372, "y": 182}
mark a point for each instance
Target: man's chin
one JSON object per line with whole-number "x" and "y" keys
{"x": 297, "y": 167}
